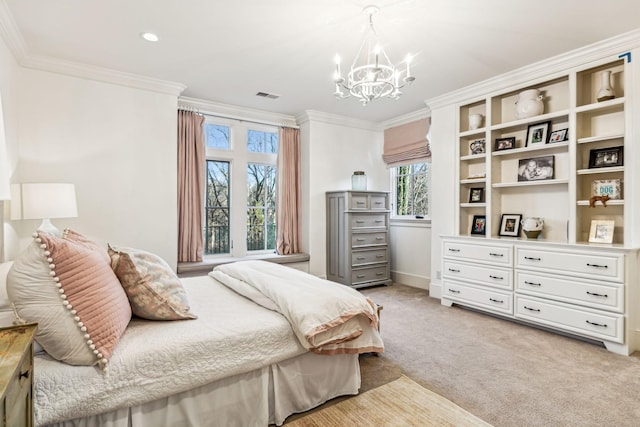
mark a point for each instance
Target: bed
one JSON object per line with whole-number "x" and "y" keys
{"x": 248, "y": 356}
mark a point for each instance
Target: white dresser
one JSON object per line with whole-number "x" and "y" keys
{"x": 585, "y": 290}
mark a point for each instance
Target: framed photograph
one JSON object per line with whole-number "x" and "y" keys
{"x": 607, "y": 187}
{"x": 477, "y": 146}
{"x": 606, "y": 157}
{"x": 559, "y": 135}
{"x": 505, "y": 143}
{"x": 479, "y": 224}
{"x": 601, "y": 231}
{"x": 536, "y": 168}
{"x": 537, "y": 134}
{"x": 510, "y": 225}
{"x": 476, "y": 195}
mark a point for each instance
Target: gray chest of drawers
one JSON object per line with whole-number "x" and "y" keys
{"x": 358, "y": 238}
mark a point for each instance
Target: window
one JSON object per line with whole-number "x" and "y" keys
{"x": 411, "y": 190}
{"x": 240, "y": 199}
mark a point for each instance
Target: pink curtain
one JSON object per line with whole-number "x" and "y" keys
{"x": 289, "y": 206}
{"x": 191, "y": 176}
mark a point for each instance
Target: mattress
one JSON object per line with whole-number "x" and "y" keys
{"x": 157, "y": 359}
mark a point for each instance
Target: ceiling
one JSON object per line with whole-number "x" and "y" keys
{"x": 227, "y": 51}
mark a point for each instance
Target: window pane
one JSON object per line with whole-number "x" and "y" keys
{"x": 261, "y": 224}
{"x": 412, "y": 189}
{"x": 217, "y": 136}
{"x": 217, "y": 208}
{"x": 262, "y": 142}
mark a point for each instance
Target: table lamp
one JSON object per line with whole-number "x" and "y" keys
{"x": 46, "y": 201}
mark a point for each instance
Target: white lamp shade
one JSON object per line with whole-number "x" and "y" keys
{"x": 48, "y": 200}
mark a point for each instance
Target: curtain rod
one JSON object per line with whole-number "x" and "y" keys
{"x": 240, "y": 119}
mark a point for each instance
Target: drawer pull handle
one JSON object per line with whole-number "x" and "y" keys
{"x": 496, "y": 277}
{"x": 453, "y": 270}
{"x": 532, "y": 283}
{"x": 532, "y": 258}
{"x": 454, "y": 250}
{"x": 496, "y": 300}
{"x": 360, "y": 276}
{"x": 453, "y": 291}
{"x": 379, "y": 238}
{"x": 360, "y": 258}
{"x": 360, "y": 240}
{"x": 378, "y": 203}
{"x": 379, "y": 274}
{"x": 494, "y": 254}
{"x": 379, "y": 220}
{"x": 532, "y": 309}
{"x": 597, "y": 324}
{"x": 359, "y": 221}
{"x": 24, "y": 375}
{"x": 597, "y": 295}
{"x": 597, "y": 266}
{"x": 380, "y": 256}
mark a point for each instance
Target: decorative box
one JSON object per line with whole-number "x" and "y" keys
{"x": 607, "y": 187}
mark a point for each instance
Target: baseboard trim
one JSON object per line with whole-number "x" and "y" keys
{"x": 412, "y": 280}
{"x": 435, "y": 290}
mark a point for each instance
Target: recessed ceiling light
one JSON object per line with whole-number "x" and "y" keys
{"x": 150, "y": 37}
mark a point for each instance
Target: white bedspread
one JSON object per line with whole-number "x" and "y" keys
{"x": 155, "y": 359}
{"x": 327, "y": 317}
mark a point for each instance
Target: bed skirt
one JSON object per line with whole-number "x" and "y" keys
{"x": 258, "y": 398}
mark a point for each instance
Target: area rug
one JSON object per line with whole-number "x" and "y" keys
{"x": 402, "y": 402}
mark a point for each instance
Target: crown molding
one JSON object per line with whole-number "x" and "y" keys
{"x": 236, "y": 112}
{"x": 13, "y": 38}
{"x": 406, "y": 118}
{"x": 335, "y": 119}
{"x": 547, "y": 67}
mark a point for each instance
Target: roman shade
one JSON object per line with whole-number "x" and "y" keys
{"x": 407, "y": 143}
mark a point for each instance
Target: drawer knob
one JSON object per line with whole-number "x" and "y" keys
{"x": 494, "y": 254}
{"x": 597, "y": 295}
{"x": 532, "y": 258}
{"x": 496, "y": 277}
{"x": 24, "y": 375}
{"x": 597, "y": 266}
{"x": 532, "y": 309}
{"x": 453, "y": 270}
{"x": 454, "y": 250}
{"x": 496, "y": 300}
{"x": 597, "y": 324}
{"x": 453, "y": 291}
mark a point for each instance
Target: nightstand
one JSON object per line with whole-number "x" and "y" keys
{"x": 16, "y": 372}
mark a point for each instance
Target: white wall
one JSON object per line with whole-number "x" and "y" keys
{"x": 332, "y": 148}
{"x": 410, "y": 249}
{"x": 116, "y": 144}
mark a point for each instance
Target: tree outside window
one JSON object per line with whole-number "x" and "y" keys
{"x": 412, "y": 190}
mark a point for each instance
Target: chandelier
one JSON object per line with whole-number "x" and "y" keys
{"x": 372, "y": 75}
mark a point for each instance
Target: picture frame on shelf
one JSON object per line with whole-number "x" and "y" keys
{"x": 477, "y": 146}
{"x": 476, "y": 195}
{"x": 559, "y": 135}
{"x": 538, "y": 134}
{"x": 536, "y": 168}
{"x": 479, "y": 224}
{"x": 510, "y": 225}
{"x": 607, "y": 187}
{"x": 505, "y": 143}
{"x": 606, "y": 157}
{"x": 601, "y": 231}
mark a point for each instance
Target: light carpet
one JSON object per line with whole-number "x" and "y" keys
{"x": 402, "y": 402}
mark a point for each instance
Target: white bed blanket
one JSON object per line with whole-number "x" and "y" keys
{"x": 155, "y": 359}
{"x": 327, "y": 317}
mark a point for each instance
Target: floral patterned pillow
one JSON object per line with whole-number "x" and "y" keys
{"x": 153, "y": 289}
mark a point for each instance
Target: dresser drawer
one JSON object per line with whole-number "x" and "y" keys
{"x": 584, "y": 321}
{"x": 358, "y": 201}
{"x": 368, "y": 256}
{"x": 369, "y": 274}
{"x": 368, "y": 239}
{"x": 495, "y": 277}
{"x": 479, "y": 253}
{"x": 601, "y": 266}
{"x": 20, "y": 385}
{"x": 379, "y": 202}
{"x": 368, "y": 220}
{"x": 579, "y": 291}
{"x": 482, "y": 298}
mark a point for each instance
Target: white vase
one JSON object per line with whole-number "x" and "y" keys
{"x": 529, "y": 104}
{"x": 606, "y": 91}
{"x": 475, "y": 121}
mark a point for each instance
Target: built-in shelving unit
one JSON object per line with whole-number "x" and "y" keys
{"x": 570, "y": 102}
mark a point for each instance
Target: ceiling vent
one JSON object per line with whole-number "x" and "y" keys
{"x": 267, "y": 95}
